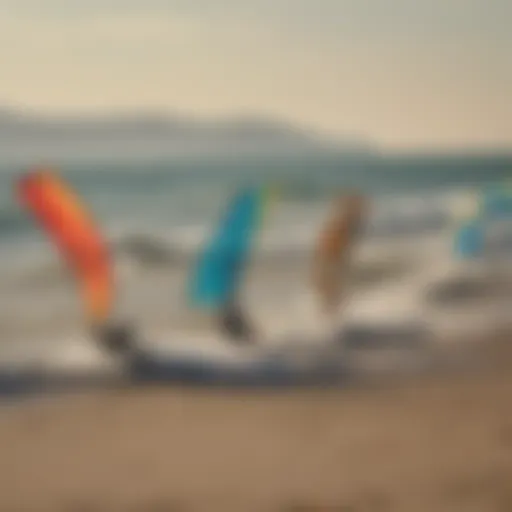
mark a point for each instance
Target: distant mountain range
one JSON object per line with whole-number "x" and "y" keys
{"x": 146, "y": 134}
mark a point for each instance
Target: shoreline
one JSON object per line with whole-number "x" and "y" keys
{"x": 432, "y": 442}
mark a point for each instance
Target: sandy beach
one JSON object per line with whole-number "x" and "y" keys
{"x": 439, "y": 443}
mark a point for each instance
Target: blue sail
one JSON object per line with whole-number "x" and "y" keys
{"x": 493, "y": 205}
{"x": 469, "y": 240}
{"x": 219, "y": 268}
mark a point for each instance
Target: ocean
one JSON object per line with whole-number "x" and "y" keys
{"x": 157, "y": 215}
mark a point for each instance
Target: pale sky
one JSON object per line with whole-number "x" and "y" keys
{"x": 403, "y": 73}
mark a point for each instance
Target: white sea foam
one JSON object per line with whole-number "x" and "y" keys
{"x": 405, "y": 254}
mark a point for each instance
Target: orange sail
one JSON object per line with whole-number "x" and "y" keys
{"x": 72, "y": 229}
{"x": 333, "y": 249}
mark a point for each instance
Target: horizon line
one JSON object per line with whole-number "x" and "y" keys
{"x": 252, "y": 115}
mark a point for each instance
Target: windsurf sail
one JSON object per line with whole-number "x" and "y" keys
{"x": 333, "y": 250}
{"x": 60, "y": 212}
{"x": 469, "y": 239}
{"x": 472, "y": 219}
{"x": 216, "y": 278}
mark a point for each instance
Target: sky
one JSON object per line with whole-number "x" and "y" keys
{"x": 404, "y": 74}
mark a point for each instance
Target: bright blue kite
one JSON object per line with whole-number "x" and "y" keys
{"x": 493, "y": 203}
{"x": 469, "y": 240}
{"x": 219, "y": 268}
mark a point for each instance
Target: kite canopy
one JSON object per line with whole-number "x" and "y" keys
{"x": 490, "y": 204}
{"x": 219, "y": 269}
{"x": 333, "y": 249}
{"x": 61, "y": 214}
{"x": 469, "y": 239}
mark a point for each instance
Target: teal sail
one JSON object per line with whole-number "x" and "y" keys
{"x": 493, "y": 204}
{"x": 219, "y": 269}
{"x": 469, "y": 240}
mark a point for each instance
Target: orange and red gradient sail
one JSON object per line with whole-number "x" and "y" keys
{"x": 70, "y": 226}
{"x": 333, "y": 249}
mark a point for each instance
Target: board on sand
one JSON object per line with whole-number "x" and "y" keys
{"x": 221, "y": 364}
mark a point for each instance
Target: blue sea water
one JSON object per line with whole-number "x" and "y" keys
{"x": 183, "y": 192}
{"x": 155, "y": 215}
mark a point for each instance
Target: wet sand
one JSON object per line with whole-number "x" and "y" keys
{"x": 430, "y": 444}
